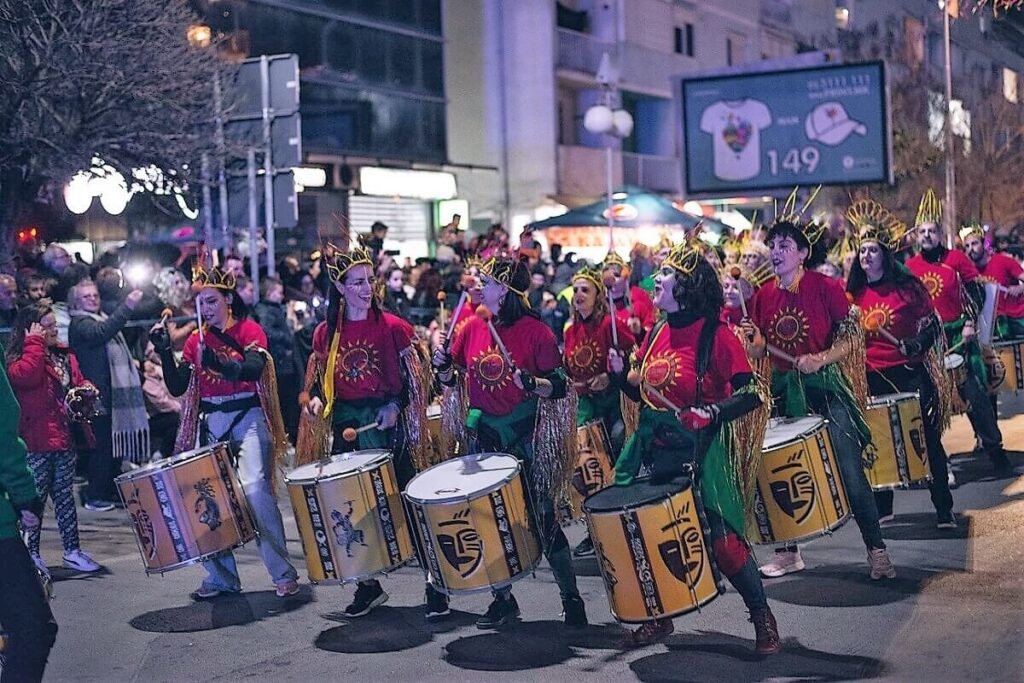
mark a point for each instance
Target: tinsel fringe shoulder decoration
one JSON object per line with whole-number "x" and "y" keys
{"x": 744, "y": 437}
{"x": 414, "y": 417}
{"x": 934, "y": 361}
{"x": 556, "y": 446}
{"x": 854, "y": 364}
{"x": 454, "y": 407}
{"x": 630, "y": 413}
{"x": 312, "y": 442}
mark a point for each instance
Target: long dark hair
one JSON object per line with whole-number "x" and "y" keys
{"x": 909, "y": 287}
{"x": 816, "y": 253}
{"x": 28, "y": 315}
{"x": 700, "y": 292}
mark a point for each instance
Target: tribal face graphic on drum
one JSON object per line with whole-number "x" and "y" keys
{"x": 460, "y": 544}
{"x": 917, "y": 439}
{"x": 684, "y": 553}
{"x": 143, "y": 525}
{"x": 592, "y": 474}
{"x": 792, "y": 486}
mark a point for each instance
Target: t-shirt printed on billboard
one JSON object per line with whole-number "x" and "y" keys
{"x": 735, "y": 127}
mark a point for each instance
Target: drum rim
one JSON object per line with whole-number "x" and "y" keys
{"x": 887, "y": 399}
{"x": 203, "y": 557}
{"x": 170, "y": 463}
{"x": 476, "y": 494}
{"x": 363, "y": 577}
{"x": 903, "y": 486}
{"x": 831, "y": 529}
{"x": 719, "y": 591}
{"x": 366, "y": 467}
{"x": 798, "y": 437}
{"x": 636, "y": 506}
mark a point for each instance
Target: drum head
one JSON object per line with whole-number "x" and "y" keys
{"x": 784, "y": 430}
{"x": 891, "y": 398}
{"x": 163, "y": 464}
{"x": 338, "y": 465}
{"x": 641, "y": 492}
{"x": 953, "y": 361}
{"x": 462, "y": 478}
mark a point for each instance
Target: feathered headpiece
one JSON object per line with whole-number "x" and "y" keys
{"x": 973, "y": 228}
{"x": 929, "y": 210}
{"x": 872, "y": 222}
{"x": 811, "y": 229}
{"x": 685, "y": 256}
{"x": 214, "y": 277}
{"x": 344, "y": 261}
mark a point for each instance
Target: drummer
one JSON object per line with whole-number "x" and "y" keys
{"x": 230, "y": 394}
{"x": 806, "y": 316}
{"x": 1004, "y": 271}
{"x": 587, "y": 341}
{"x": 952, "y": 283}
{"x": 632, "y": 304}
{"x": 503, "y": 412}
{"x": 893, "y": 300}
{"x": 700, "y": 366}
{"x": 370, "y": 376}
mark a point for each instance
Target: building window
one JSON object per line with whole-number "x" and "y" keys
{"x": 735, "y": 49}
{"x": 683, "y": 40}
{"x": 1010, "y": 85}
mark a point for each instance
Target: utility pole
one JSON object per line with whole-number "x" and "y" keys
{"x": 949, "y": 211}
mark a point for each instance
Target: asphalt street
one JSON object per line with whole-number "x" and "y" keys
{"x": 953, "y": 613}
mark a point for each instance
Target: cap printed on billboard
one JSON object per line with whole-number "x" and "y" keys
{"x": 829, "y": 124}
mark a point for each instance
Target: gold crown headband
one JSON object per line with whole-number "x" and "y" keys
{"x": 929, "y": 210}
{"x": 685, "y": 257}
{"x": 872, "y": 222}
{"x": 812, "y": 230}
{"x": 346, "y": 261}
{"x": 973, "y": 228}
{"x": 591, "y": 275}
{"x": 613, "y": 260}
{"x": 214, "y": 277}
{"x": 502, "y": 272}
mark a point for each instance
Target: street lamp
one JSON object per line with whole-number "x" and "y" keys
{"x": 604, "y": 119}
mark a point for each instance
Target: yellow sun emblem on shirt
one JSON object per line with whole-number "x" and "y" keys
{"x": 662, "y": 369}
{"x": 357, "y": 359}
{"x": 933, "y": 283}
{"x": 788, "y": 328}
{"x": 584, "y": 358}
{"x": 491, "y": 370}
{"x": 878, "y": 316}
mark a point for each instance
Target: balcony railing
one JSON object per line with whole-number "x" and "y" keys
{"x": 582, "y": 171}
{"x": 655, "y": 173}
{"x": 580, "y": 52}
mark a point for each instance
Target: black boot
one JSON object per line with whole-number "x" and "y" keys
{"x": 437, "y": 604}
{"x": 503, "y": 611}
{"x": 574, "y": 611}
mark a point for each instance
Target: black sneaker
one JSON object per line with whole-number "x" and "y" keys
{"x": 503, "y": 611}
{"x": 946, "y": 521}
{"x": 574, "y": 612}
{"x": 1000, "y": 463}
{"x": 368, "y": 596}
{"x": 585, "y": 548}
{"x": 437, "y": 604}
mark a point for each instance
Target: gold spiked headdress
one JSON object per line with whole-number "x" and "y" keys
{"x": 973, "y": 228}
{"x": 214, "y": 277}
{"x": 812, "y": 230}
{"x": 685, "y": 256}
{"x": 929, "y": 210}
{"x": 872, "y": 222}
{"x": 613, "y": 260}
{"x": 345, "y": 261}
{"x": 592, "y": 275}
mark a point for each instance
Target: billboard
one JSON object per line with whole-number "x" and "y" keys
{"x": 825, "y": 125}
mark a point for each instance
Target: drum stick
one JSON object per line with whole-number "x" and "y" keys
{"x": 441, "y": 296}
{"x": 663, "y": 398}
{"x": 954, "y": 347}
{"x": 780, "y": 354}
{"x": 485, "y": 313}
{"x": 350, "y": 433}
{"x": 199, "y": 319}
{"x": 454, "y": 318}
{"x": 164, "y": 315}
{"x": 608, "y": 281}
{"x": 736, "y": 273}
{"x": 873, "y": 326}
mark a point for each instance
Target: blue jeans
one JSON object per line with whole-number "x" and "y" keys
{"x": 251, "y": 443}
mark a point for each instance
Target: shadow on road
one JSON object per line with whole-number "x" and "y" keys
{"x": 846, "y": 586}
{"x": 529, "y": 645}
{"x": 712, "y": 656}
{"x": 920, "y": 526}
{"x": 388, "y": 629}
{"x": 60, "y": 573}
{"x": 976, "y": 467}
{"x": 231, "y": 610}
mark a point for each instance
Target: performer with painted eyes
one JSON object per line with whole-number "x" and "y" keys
{"x": 230, "y": 394}
{"x": 804, "y": 319}
{"x": 703, "y": 410}
{"x": 519, "y": 404}
{"x": 958, "y": 294}
{"x": 365, "y": 371}
{"x": 904, "y": 341}
{"x": 588, "y": 339}
{"x": 632, "y": 304}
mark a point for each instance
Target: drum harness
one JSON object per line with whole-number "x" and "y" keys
{"x": 239, "y": 406}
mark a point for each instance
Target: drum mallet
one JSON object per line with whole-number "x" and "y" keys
{"x": 781, "y": 355}
{"x": 454, "y": 318}
{"x": 663, "y": 398}
{"x": 736, "y": 274}
{"x": 350, "y": 434}
{"x": 441, "y": 296}
{"x": 608, "y": 281}
{"x": 485, "y": 313}
{"x": 873, "y": 326}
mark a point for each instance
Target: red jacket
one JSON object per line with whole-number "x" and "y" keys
{"x": 44, "y": 421}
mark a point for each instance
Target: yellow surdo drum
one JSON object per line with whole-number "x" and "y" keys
{"x": 1009, "y": 352}
{"x": 897, "y": 456}
{"x": 350, "y": 516}
{"x": 799, "y": 492}
{"x": 187, "y": 508}
{"x": 594, "y": 468}
{"x": 471, "y": 517}
{"x": 651, "y": 547}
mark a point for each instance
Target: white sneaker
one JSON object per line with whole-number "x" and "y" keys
{"x": 782, "y": 563}
{"x": 886, "y": 519}
{"x": 881, "y": 565}
{"x": 80, "y": 561}
{"x": 40, "y": 564}
{"x": 951, "y": 478}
